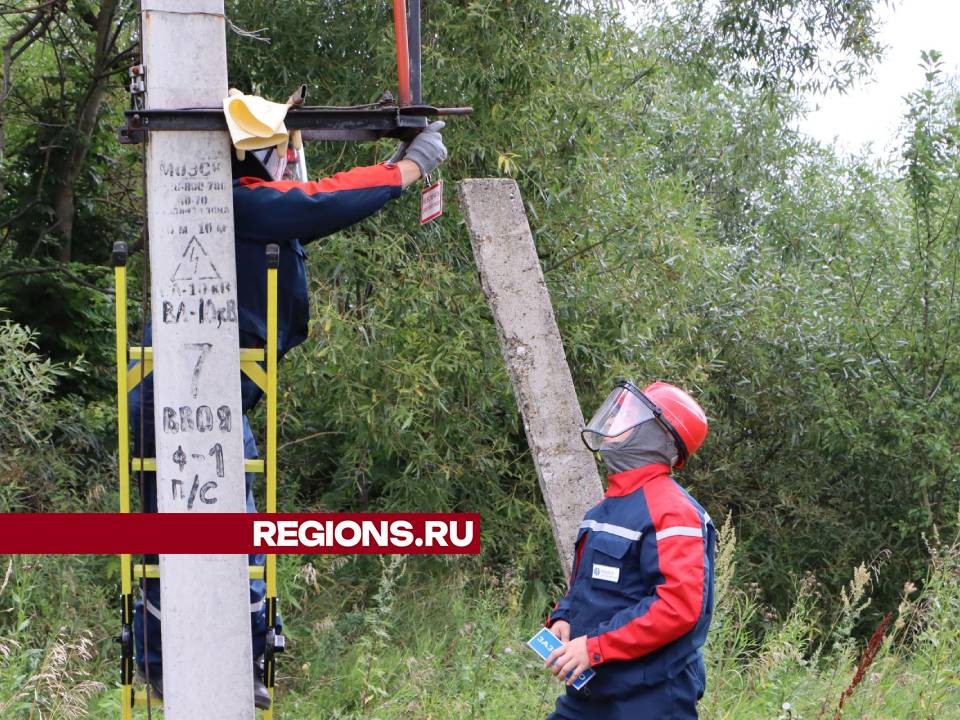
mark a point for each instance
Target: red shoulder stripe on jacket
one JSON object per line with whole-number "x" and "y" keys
{"x": 358, "y": 178}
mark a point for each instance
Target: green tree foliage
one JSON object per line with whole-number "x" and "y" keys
{"x": 775, "y": 45}
{"x": 26, "y": 380}
{"x": 55, "y": 448}
{"x": 67, "y": 188}
{"x": 685, "y": 230}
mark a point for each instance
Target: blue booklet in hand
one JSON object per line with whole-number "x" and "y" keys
{"x": 545, "y": 642}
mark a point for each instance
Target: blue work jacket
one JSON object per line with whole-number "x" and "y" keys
{"x": 642, "y": 582}
{"x": 292, "y": 214}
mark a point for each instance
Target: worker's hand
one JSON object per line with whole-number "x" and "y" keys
{"x": 427, "y": 149}
{"x": 569, "y": 661}
{"x": 561, "y": 628}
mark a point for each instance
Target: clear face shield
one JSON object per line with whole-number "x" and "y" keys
{"x": 291, "y": 165}
{"x": 624, "y": 409}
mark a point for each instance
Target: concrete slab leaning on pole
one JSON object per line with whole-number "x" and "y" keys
{"x": 527, "y": 328}
{"x": 207, "y": 658}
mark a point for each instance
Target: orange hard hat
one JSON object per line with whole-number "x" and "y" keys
{"x": 681, "y": 414}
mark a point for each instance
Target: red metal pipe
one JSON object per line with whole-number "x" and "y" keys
{"x": 403, "y": 50}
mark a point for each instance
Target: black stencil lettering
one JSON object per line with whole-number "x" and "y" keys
{"x": 223, "y": 414}
{"x": 217, "y": 452}
{"x": 207, "y": 487}
{"x": 211, "y": 310}
{"x": 186, "y": 418}
{"x": 180, "y": 457}
{"x": 172, "y": 316}
{"x": 193, "y": 492}
{"x": 202, "y": 349}
{"x": 204, "y": 418}
{"x": 228, "y": 314}
{"x": 170, "y": 420}
{"x": 176, "y": 485}
{"x": 204, "y": 168}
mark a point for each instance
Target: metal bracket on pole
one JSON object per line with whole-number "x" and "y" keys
{"x": 385, "y": 118}
{"x": 363, "y": 122}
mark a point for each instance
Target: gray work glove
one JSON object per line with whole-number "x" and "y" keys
{"x": 427, "y": 149}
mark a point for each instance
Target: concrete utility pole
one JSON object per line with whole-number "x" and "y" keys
{"x": 207, "y": 658}
{"x": 513, "y": 283}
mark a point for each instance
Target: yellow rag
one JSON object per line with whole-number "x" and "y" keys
{"x": 255, "y": 123}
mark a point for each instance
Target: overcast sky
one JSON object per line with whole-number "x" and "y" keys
{"x": 872, "y": 111}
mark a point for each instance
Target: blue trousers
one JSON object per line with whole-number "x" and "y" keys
{"x": 148, "y": 644}
{"x": 675, "y": 699}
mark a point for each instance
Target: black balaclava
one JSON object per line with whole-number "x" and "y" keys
{"x": 649, "y": 443}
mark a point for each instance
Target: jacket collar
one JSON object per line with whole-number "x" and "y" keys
{"x": 624, "y": 483}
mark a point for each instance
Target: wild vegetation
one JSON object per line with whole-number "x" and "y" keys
{"x": 686, "y": 231}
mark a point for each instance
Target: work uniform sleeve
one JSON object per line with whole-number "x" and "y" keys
{"x": 561, "y": 611}
{"x": 272, "y": 211}
{"x": 677, "y": 603}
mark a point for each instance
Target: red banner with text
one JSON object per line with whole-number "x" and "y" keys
{"x": 240, "y": 533}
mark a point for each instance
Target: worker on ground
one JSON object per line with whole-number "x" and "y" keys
{"x": 641, "y": 593}
{"x": 273, "y": 203}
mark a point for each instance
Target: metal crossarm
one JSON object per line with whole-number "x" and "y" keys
{"x": 362, "y": 122}
{"x": 133, "y": 365}
{"x": 386, "y": 118}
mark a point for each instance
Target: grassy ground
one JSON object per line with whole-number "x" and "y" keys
{"x": 414, "y": 647}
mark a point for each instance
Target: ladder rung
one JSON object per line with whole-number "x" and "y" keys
{"x": 150, "y": 465}
{"x": 152, "y": 572}
{"x": 137, "y": 372}
{"x": 139, "y": 353}
{"x": 140, "y": 698}
{"x": 256, "y": 373}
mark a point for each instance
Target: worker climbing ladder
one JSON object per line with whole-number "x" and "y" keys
{"x": 134, "y": 364}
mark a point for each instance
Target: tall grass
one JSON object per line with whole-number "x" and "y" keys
{"x": 808, "y": 665}
{"x": 439, "y": 639}
{"x": 455, "y": 649}
{"x": 58, "y": 684}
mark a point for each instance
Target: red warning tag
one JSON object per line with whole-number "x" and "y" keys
{"x": 431, "y": 202}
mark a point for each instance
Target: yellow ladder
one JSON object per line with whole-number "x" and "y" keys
{"x": 134, "y": 364}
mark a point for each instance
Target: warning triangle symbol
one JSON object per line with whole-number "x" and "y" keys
{"x": 195, "y": 264}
